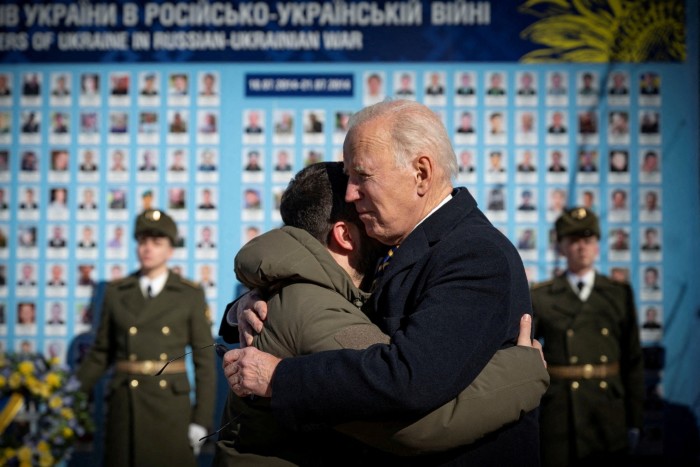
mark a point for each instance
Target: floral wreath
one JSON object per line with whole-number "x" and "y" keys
{"x": 42, "y": 411}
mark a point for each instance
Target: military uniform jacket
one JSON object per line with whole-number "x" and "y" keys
{"x": 451, "y": 297}
{"x": 586, "y": 417}
{"x": 148, "y": 416}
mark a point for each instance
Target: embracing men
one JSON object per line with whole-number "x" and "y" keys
{"x": 450, "y": 297}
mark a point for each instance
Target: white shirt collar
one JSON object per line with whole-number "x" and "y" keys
{"x": 588, "y": 279}
{"x": 157, "y": 284}
{"x": 442, "y": 203}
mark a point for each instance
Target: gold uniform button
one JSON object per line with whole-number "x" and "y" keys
{"x": 587, "y": 370}
{"x": 574, "y": 385}
{"x": 163, "y": 383}
{"x": 133, "y": 357}
{"x": 164, "y": 356}
{"x": 165, "y": 330}
{"x": 604, "y": 331}
{"x": 133, "y": 330}
{"x": 603, "y": 385}
{"x": 134, "y": 383}
{"x": 569, "y": 332}
{"x": 573, "y": 359}
{"x": 604, "y": 358}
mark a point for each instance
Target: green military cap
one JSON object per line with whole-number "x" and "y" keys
{"x": 155, "y": 223}
{"x": 579, "y": 222}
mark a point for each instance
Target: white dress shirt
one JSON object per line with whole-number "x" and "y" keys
{"x": 587, "y": 280}
{"x": 156, "y": 284}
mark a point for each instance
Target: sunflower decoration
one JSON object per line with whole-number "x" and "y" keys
{"x": 601, "y": 31}
{"x": 42, "y": 411}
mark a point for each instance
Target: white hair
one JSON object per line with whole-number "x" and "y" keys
{"x": 414, "y": 128}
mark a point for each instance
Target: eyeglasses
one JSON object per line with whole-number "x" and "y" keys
{"x": 220, "y": 428}
{"x": 220, "y": 349}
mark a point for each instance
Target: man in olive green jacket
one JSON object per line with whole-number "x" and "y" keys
{"x": 592, "y": 411}
{"x": 314, "y": 306}
{"x": 148, "y": 318}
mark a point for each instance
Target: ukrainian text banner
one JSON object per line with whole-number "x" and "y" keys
{"x": 342, "y": 31}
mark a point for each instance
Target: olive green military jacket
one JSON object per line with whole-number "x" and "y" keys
{"x": 148, "y": 416}
{"x": 316, "y": 307}
{"x": 603, "y": 330}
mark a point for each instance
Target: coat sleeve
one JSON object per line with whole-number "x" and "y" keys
{"x": 100, "y": 355}
{"x": 631, "y": 364}
{"x": 204, "y": 362}
{"x": 512, "y": 383}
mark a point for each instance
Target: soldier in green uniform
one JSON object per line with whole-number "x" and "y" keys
{"x": 148, "y": 318}
{"x": 592, "y": 411}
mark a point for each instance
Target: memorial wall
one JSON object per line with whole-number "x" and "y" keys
{"x": 207, "y": 109}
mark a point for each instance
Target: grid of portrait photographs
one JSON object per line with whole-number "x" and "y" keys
{"x": 277, "y": 143}
{"x": 91, "y": 149}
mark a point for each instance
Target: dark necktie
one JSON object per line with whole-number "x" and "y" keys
{"x": 580, "y": 286}
{"x": 149, "y": 291}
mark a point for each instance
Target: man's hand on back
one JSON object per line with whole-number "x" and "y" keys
{"x": 524, "y": 336}
{"x": 251, "y": 311}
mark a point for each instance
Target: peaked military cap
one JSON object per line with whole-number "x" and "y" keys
{"x": 155, "y": 223}
{"x": 579, "y": 222}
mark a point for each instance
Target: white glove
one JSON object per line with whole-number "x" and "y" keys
{"x": 194, "y": 433}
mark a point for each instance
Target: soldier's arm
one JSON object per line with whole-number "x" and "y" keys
{"x": 204, "y": 362}
{"x": 99, "y": 357}
{"x": 631, "y": 364}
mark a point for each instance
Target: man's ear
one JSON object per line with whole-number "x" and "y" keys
{"x": 342, "y": 237}
{"x": 423, "y": 167}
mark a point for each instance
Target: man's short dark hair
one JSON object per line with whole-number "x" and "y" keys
{"x": 315, "y": 199}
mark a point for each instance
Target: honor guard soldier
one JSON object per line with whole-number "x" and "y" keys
{"x": 148, "y": 318}
{"x": 592, "y": 410}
